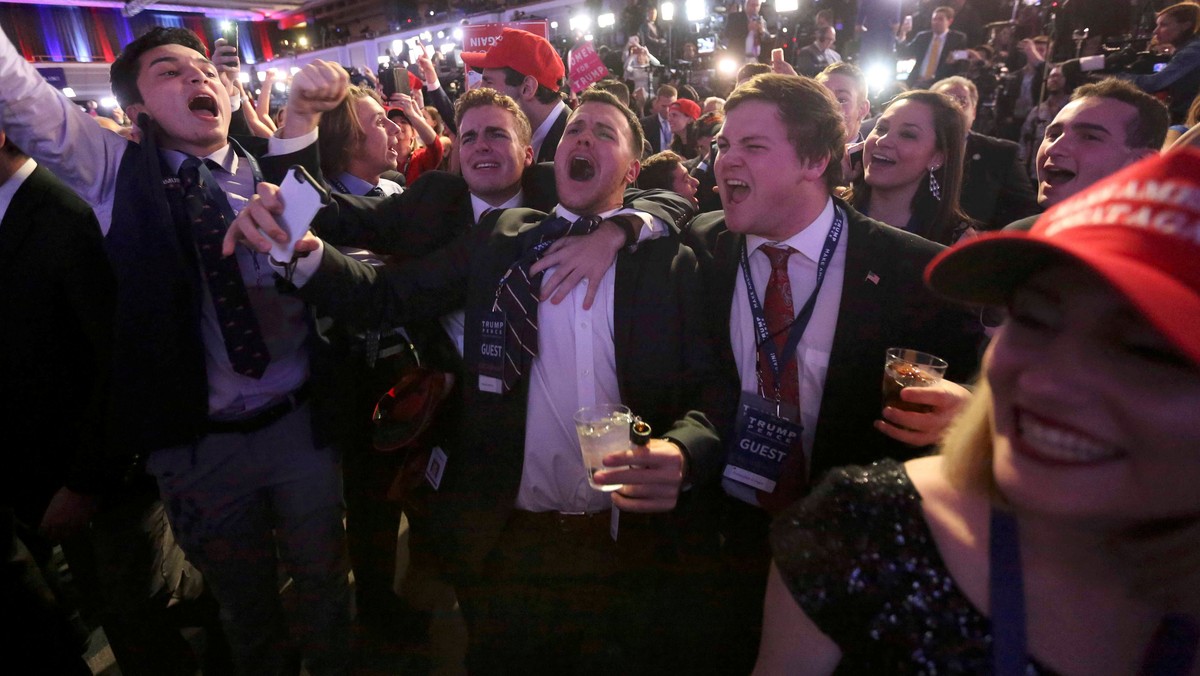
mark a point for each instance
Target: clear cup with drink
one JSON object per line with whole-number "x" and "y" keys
{"x": 603, "y": 429}
{"x": 904, "y": 367}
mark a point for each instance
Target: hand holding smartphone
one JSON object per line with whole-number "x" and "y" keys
{"x": 302, "y": 198}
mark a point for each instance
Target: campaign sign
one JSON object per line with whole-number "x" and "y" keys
{"x": 55, "y": 76}
{"x": 481, "y": 37}
{"x": 585, "y": 67}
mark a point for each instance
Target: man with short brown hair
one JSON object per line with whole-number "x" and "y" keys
{"x": 804, "y": 295}
{"x": 1106, "y": 127}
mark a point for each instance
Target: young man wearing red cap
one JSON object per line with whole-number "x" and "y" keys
{"x": 681, "y": 116}
{"x": 527, "y": 68}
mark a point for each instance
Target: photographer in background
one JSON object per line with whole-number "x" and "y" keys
{"x": 1175, "y": 29}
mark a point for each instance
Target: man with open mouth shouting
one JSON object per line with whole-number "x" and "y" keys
{"x": 211, "y": 365}
{"x": 1106, "y": 127}
{"x": 833, "y": 290}
{"x": 550, "y": 571}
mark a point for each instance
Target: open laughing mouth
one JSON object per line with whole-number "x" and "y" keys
{"x": 734, "y": 191}
{"x": 881, "y": 161}
{"x": 1053, "y": 443}
{"x": 1054, "y": 176}
{"x": 203, "y": 103}
{"x": 581, "y": 169}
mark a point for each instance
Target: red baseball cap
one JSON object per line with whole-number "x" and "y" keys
{"x": 1139, "y": 229}
{"x": 524, "y": 52}
{"x": 687, "y": 107}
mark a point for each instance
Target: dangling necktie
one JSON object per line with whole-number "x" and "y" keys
{"x": 239, "y": 327}
{"x": 935, "y": 54}
{"x": 780, "y": 313}
{"x": 375, "y": 192}
{"x": 517, "y": 294}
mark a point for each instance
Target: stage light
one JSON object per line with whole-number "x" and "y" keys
{"x": 667, "y": 10}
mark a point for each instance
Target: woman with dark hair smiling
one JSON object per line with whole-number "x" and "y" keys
{"x": 912, "y": 167}
{"x": 1058, "y": 532}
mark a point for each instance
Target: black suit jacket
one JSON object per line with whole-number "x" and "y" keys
{"x": 916, "y": 48}
{"x": 550, "y": 144}
{"x": 661, "y": 379}
{"x": 884, "y": 304}
{"x": 57, "y": 295}
{"x": 652, "y": 128}
{"x": 996, "y": 189}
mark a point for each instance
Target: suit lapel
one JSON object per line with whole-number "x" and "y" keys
{"x": 856, "y": 317}
{"x": 625, "y": 294}
{"x": 725, "y": 259}
{"x": 18, "y": 219}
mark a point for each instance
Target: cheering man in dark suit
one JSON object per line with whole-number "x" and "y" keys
{"x": 747, "y": 34}
{"x": 210, "y": 387}
{"x": 529, "y": 544}
{"x": 781, "y": 228}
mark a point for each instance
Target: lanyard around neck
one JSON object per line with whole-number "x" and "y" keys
{"x": 762, "y": 335}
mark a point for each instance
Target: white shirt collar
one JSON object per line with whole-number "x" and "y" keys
{"x": 808, "y": 241}
{"x": 543, "y": 129}
{"x": 225, "y": 157}
{"x": 478, "y": 206}
{"x": 571, "y": 216}
{"x": 9, "y": 188}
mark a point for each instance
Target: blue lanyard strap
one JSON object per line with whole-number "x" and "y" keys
{"x": 762, "y": 336}
{"x": 1006, "y": 596}
{"x": 1172, "y": 650}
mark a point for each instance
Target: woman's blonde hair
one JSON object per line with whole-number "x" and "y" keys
{"x": 967, "y": 446}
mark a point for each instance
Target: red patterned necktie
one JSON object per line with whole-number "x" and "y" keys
{"x": 780, "y": 313}
{"x": 239, "y": 326}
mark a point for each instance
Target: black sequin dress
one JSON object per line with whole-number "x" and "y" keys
{"x": 860, "y": 560}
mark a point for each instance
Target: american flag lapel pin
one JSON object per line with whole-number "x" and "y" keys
{"x": 872, "y": 278}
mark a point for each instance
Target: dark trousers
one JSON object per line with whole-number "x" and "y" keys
{"x": 563, "y": 598}
{"x": 142, "y": 590}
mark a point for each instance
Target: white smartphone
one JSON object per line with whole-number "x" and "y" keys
{"x": 302, "y": 198}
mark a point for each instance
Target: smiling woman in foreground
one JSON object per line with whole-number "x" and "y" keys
{"x": 1059, "y": 530}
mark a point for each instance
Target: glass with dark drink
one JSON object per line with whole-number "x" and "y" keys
{"x": 903, "y": 368}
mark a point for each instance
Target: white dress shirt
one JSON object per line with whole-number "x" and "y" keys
{"x": 812, "y": 354}
{"x": 575, "y": 367}
{"x": 9, "y": 188}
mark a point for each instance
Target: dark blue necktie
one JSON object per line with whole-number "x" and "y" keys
{"x": 239, "y": 327}
{"x": 517, "y": 294}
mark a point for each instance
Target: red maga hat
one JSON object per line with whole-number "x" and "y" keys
{"x": 1139, "y": 229}
{"x": 687, "y": 107}
{"x": 524, "y": 52}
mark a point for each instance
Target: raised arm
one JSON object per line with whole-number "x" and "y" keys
{"x": 57, "y": 133}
